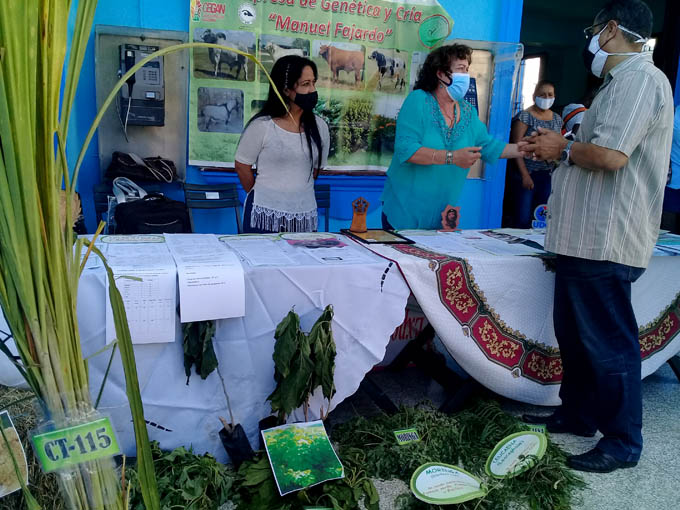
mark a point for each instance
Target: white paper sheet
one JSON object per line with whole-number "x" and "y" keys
{"x": 498, "y": 247}
{"x": 448, "y": 243}
{"x": 146, "y": 278}
{"x": 259, "y": 251}
{"x": 211, "y": 279}
{"x": 345, "y": 255}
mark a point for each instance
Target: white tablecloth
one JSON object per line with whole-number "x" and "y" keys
{"x": 493, "y": 310}
{"x": 367, "y": 311}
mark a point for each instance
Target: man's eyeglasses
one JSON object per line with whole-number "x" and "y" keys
{"x": 590, "y": 31}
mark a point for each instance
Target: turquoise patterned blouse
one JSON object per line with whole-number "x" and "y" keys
{"x": 415, "y": 195}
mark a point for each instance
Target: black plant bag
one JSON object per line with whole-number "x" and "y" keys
{"x": 130, "y": 165}
{"x": 153, "y": 214}
{"x": 236, "y": 444}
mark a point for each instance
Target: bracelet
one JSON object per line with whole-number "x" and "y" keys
{"x": 449, "y": 157}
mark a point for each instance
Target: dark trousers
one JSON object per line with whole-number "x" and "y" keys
{"x": 597, "y": 334}
{"x": 523, "y": 202}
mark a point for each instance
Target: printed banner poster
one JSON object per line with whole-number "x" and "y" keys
{"x": 368, "y": 54}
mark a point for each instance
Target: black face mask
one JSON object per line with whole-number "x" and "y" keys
{"x": 306, "y": 101}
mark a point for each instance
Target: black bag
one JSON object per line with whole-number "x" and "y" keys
{"x": 128, "y": 164}
{"x": 152, "y": 214}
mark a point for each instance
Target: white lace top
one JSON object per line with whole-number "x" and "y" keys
{"x": 284, "y": 188}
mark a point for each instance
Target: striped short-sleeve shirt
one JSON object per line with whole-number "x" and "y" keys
{"x": 615, "y": 215}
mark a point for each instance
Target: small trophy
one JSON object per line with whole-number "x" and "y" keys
{"x": 360, "y": 206}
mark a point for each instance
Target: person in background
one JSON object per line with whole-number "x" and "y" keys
{"x": 289, "y": 145}
{"x": 530, "y": 183}
{"x": 438, "y": 138}
{"x": 603, "y": 223}
{"x": 572, "y": 116}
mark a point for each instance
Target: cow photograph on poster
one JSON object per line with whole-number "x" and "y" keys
{"x": 367, "y": 55}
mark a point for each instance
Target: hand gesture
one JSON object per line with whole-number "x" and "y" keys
{"x": 466, "y": 157}
{"x": 547, "y": 145}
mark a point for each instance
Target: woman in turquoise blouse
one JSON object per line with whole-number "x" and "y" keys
{"x": 439, "y": 137}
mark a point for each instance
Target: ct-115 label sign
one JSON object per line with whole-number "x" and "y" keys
{"x": 66, "y": 447}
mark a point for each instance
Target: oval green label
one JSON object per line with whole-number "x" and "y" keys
{"x": 434, "y": 29}
{"x": 443, "y": 484}
{"x": 515, "y": 454}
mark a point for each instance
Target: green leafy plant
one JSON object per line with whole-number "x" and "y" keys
{"x": 198, "y": 348}
{"x": 302, "y": 363}
{"x": 185, "y": 480}
{"x": 356, "y": 125}
{"x": 465, "y": 439}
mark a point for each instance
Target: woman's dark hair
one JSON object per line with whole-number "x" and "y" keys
{"x": 285, "y": 73}
{"x": 542, "y": 83}
{"x": 440, "y": 60}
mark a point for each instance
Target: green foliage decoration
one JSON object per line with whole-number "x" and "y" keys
{"x": 356, "y": 125}
{"x": 302, "y": 363}
{"x": 465, "y": 439}
{"x": 185, "y": 480}
{"x": 198, "y": 348}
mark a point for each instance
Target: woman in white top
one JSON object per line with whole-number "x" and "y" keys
{"x": 288, "y": 148}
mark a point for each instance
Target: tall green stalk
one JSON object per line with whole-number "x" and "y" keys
{"x": 40, "y": 260}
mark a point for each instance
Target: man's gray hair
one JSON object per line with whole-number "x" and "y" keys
{"x": 635, "y": 15}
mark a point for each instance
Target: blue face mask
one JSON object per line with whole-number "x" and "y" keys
{"x": 460, "y": 83}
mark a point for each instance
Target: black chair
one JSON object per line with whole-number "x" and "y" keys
{"x": 323, "y": 201}
{"x": 213, "y": 196}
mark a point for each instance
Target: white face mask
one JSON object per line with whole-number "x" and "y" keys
{"x": 599, "y": 56}
{"x": 544, "y": 103}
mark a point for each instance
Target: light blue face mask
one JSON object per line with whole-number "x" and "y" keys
{"x": 460, "y": 83}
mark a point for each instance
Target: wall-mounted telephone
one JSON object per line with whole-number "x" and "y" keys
{"x": 141, "y": 101}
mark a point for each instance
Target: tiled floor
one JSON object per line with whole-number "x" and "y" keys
{"x": 653, "y": 485}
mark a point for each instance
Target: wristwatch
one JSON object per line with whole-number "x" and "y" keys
{"x": 566, "y": 152}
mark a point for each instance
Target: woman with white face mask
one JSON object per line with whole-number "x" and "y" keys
{"x": 529, "y": 185}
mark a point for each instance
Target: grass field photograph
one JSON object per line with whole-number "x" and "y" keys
{"x": 301, "y": 455}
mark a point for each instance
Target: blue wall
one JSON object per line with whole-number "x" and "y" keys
{"x": 490, "y": 20}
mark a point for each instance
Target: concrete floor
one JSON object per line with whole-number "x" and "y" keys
{"x": 653, "y": 485}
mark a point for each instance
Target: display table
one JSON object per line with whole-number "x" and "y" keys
{"x": 369, "y": 304}
{"x": 490, "y": 302}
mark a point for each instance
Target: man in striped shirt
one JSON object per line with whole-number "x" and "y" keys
{"x": 603, "y": 220}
